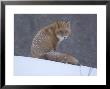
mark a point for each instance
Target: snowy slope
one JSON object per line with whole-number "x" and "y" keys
{"x": 27, "y": 66}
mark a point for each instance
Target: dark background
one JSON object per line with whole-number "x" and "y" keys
{"x": 82, "y": 43}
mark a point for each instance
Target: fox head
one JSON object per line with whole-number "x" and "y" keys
{"x": 63, "y": 30}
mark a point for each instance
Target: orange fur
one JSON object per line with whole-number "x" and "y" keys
{"x": 46, "y": 40}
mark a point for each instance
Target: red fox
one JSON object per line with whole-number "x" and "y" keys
{"x": 47, "y": 39}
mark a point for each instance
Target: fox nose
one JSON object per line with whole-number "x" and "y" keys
{"x": 65, "y": 37}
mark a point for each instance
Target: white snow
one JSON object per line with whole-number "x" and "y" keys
{"x": 27, "y": 66}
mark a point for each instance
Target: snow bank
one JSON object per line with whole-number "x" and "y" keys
{"x": 27, "y": 66}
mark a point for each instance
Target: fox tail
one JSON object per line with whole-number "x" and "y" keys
{"x": 61, "y": 57}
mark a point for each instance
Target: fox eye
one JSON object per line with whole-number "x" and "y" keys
{"x": 60, "y": 32}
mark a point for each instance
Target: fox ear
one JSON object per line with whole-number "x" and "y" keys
{"x": 57, "y": 24}
{"x": 68, "y": 23}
